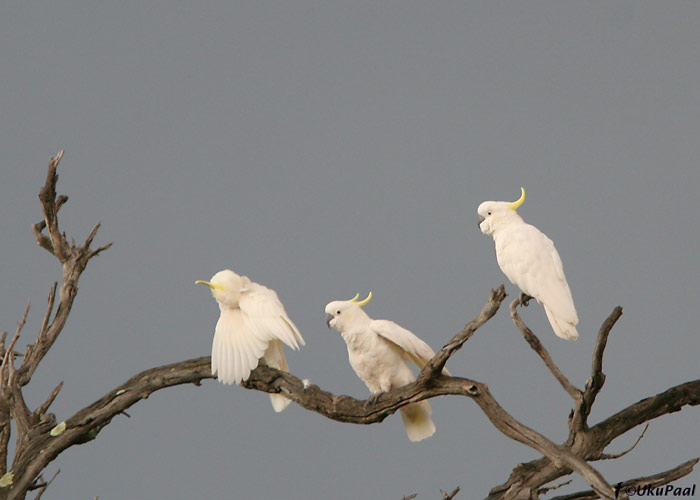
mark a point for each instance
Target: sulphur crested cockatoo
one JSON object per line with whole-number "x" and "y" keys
{"x": 530, "y": 261}
{"x": 379, "y": 351}
{"x": 253, "y": 325}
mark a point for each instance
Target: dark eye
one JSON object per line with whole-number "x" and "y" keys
{"x": 338, "y": 312}
{"x": 488, "y": 213}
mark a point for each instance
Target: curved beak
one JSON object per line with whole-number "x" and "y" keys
{"x": 210, "y": 285}
{"x": 481, "y": 219}
{"x": 329, "y": 317}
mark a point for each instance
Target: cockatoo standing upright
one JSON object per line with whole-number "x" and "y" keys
{"x": 530, "y": 261}
{"x": 252, "y": 325}
{"x": 379, "y": 350}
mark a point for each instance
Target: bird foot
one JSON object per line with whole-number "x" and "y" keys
{"x": 373, "y": 398}
{"x": 525, "y": 299}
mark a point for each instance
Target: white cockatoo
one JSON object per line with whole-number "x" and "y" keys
{"x": 253, "y": 325}
{"x": 379, "y": 351}
{"x": 530, "y": 261}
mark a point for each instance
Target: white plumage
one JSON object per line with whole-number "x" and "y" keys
{"x": 379, "y": 351}
{"x": 253, "y": 325}
{"x": 530, "y": 261}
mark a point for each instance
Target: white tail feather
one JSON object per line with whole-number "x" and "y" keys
{"x": 279, "y": 402}
{"x": 274, "y": 357}
{"x": 561, "y": 328}
{"x": 417, "y": 421}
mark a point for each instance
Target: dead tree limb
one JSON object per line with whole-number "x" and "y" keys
{"x": 655, "y": 481}
{"x": 537, "y": 346}
{"x": 40, "y": 440}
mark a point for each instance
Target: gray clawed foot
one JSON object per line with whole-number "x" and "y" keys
{"x": 525, "y": 299}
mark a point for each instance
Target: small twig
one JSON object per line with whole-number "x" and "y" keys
{"x": 23, "y": 321}
{"x": 49, "y": 401}
{"x": 47, "y": 195}
{"x": 46, "y": 485}
{"x": 94, "y": 253}
{"x": 3, "y": 336}
{"x": 7, "y": 367}
{"x": 605, "y": 456}
{"x": 597, "y": 378}
{"x": 547, "y": 489}
{"x": 47, "y": 316}
{"x": 537, "y": 346}
{"x": 450, "y": 496}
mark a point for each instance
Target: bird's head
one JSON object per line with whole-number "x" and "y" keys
{"x": 493, "y": 214}
{"x": 341, "y": 313}
{"x": 226, "y": 287}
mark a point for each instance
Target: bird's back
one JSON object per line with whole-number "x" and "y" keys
{"x": 529, "y": 259}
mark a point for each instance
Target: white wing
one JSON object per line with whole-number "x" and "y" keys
{"x": 265, "y": 317}
{"x": 234, "y": 351}
{"x": 416, "y": 350}
{"x": 528, "y": 258}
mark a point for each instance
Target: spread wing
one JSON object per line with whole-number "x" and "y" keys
{"x": 243, "y": 335}
{"x": 265, "y": 317}
{"x": 415, "y": 349}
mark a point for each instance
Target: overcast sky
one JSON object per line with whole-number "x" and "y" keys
{"x": 328, "y": 148}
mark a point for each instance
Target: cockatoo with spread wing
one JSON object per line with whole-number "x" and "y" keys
{"x": 530, "y": 261}
{"x": 379, "y": 352}
{"x": 253, "y": 325}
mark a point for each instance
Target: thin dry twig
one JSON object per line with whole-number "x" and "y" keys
{"x": 537, "y": 346}
{"x": 49, "y": 401}
{"x": 450, "y": 496}
{"x": 606, "y": 456}
{"x": 597, "y": 377}
{"x": 547, "y": 489}
{"x": 43, "y": 486}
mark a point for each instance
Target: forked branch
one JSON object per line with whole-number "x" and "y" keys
{"x": 41, "y": 440}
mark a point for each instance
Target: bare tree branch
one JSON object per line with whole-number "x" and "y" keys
{"x": 591, "y": 443}
{"x": 73, "y": 259}
{"x": 669, "y": 401}
{"x": 615, "y": 456}
{"x": 537, "y": 346}
{"x": 40, "y": 440}
{"x": 597, "y": 378}
{"x": 654, "y": 481}
{"x": 47, "y": 195}
{"x": 436, "y": 364}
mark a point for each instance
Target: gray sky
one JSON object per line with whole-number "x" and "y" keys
{"x": 328, "y": 148}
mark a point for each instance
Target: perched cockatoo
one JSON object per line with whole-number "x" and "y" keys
{"x": 530, "y": 261}
{"x": 252, "y": 325}
{"x": 379, "y": 351}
